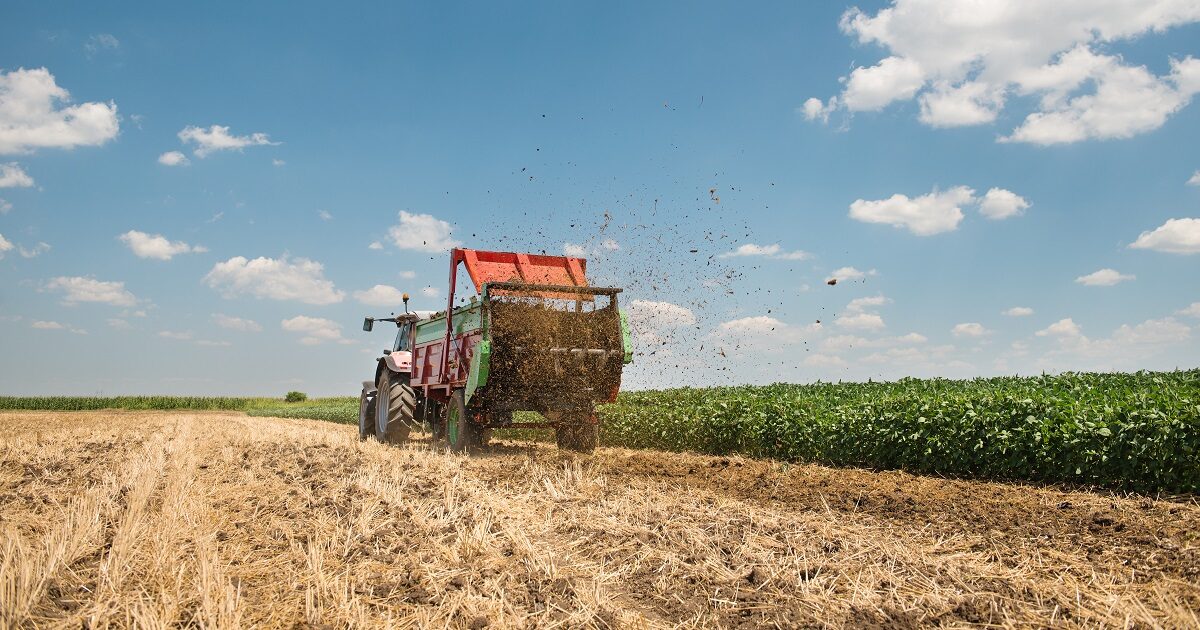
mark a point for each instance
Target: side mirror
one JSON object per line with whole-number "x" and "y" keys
{"x": 368, "y": 324}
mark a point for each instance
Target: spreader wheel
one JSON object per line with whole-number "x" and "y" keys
{"x": 461, "y": 433}
{"x": 395, "y": 405}
{"x": 366, "y": 414}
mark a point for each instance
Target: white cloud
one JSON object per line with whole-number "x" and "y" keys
{"x": 768, "y": 251}
{"x": 969, "y": 329}
{"x": 1065, "y": 327}
{"x": 850, "y": 273}
{"x": 31, "y": 119}
{"x": 1192, "y": 310}
{"x": 178, "y": 335}
{"x": 118, "y": 323}
{"x": 47, "y": 325}
{"x": 860, "y": 304}
{"x": 961, "y": 60}
{"x": 649, "y": 316}
{"x": 423, "y": 233}
{"x": 1002, "y": 204}
{"x": 236, "y": 323}
{"x": 755, "y": 325}
{"x": 431, "y": 292}
{"x": 933, "y": 213}
{"x": 875, "y": 87}
{"x": 274, "y": 278}
{"x": 380, "y": 295}
{"x": 860, "y": 321}
{"x": 971, "y": 103}
{"x": 33, "y": 252}
{"x": 1176, "y": 236}
{"x": 609, "y": 244}
{"x": 824, "y": 360}
{"x": 375, "y": 245}
{"x": 217, "y": 138}
{"x": 80, "y": 289}
{"x": 315, "y": 330}
{"x": 406, "y": 275}
{"x": 574, "y": 250}
{"x": 13, "y": 176}
{"x": 1018, "y": 311}
{"x": 814, "y": 109}
{"x": 100, "y": 42}
{"x": 278, "y": 162}
{"x": 1194, "y": 180}
{"x": 324, "y": 215}
{"x": 5, "y": 246}
{"x": 1104, "y": 278}
{"x": 156, "y": 246}
{"x": 5, "y": 206}
{"x": 173, "y": 158}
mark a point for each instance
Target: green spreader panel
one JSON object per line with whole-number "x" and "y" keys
{"x": 466, "y": 319}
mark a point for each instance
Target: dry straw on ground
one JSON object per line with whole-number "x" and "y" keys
{"x": 220, "y": 520}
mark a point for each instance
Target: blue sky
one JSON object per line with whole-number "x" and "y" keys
{"x": 207, "y": 201}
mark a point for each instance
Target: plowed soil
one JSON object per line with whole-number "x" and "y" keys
{"x": 218, "y": 519}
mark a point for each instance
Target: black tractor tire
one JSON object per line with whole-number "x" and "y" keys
{"x": 460, "y": 433}
{"x": 580, "y": 436}
{"x": 395, "y": 406}
{"x": 366, "y": 415}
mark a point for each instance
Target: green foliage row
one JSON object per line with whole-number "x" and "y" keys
{"x": 1140, "y": 431}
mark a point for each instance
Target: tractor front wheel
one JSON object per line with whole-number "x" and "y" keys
{"x": 395, "y": 406}
{"x": 461, "y": 433}
{"x": 366, "y": 414}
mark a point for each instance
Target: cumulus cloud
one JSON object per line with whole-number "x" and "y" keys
{"x": 998, "y": 203}
{"x": 860, "y": 321}
{"x": 969, "y": 329}
{"x": 324, "y": 215}
{"x": 157, "y": 246}
{"x": 236, "y": 323}
{"x": 647, "y": 316}
{"x": 33, "y": 252}
{"x": 5, "y": 246}
{"x": 33, "y": 115}
{"x": 380, "y": 295}
{"x": 933, "y": 213}
{"x": 314, "y": 330}
{"x": 1127, "y": 343}
{"x": 1018, "y": 311}
{"x": 217, "y": 138}
{"x": 1194, "y": 180}
{"x": 850, "y": 273}
{"x": 375, "y": 245}
{"x": 1104, "y": 278}
{"x": 963, "y": 60}
{"x": 5, "y": 206}
{"x": 824, "y": 360}
{"x": 173, "y": 158}
{"x": 431, "y": 292}
{"x": 406, "y": 275}
{"x": 767, "y": 251}
{"x": 281, "y": 278}
{"x": 50, "y": 325}
{"x": 1176, "y": 236}
{"x": 1065, "y": 327}
{"x": 77, "y": 289}
{"x": 863, "y": 303}
{"x": 13, "y": 176}
{"x": 423, "y": 233}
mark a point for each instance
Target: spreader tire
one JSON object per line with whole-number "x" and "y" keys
{"x": 461, "y": 433}
{"x": 395, "y": 406}
{"x": 366, "y": 414}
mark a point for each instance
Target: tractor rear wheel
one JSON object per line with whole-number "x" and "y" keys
{"x": 577, "y": 434}
{"x": 395, "y": 406}
{"x": 366, "y": 414}
{"x": 461, "y": 433}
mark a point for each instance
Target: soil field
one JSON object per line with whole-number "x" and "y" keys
{"x": 218, "y": 519}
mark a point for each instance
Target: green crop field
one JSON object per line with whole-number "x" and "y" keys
{"x": 1138, "y": 431}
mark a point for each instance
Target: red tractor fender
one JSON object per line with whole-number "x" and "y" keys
{"x": 399, "y": 361}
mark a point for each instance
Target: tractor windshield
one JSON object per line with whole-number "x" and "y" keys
{"x": 402, "y": 338}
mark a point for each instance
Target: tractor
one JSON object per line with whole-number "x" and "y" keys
{"x": 535, "y": 337}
